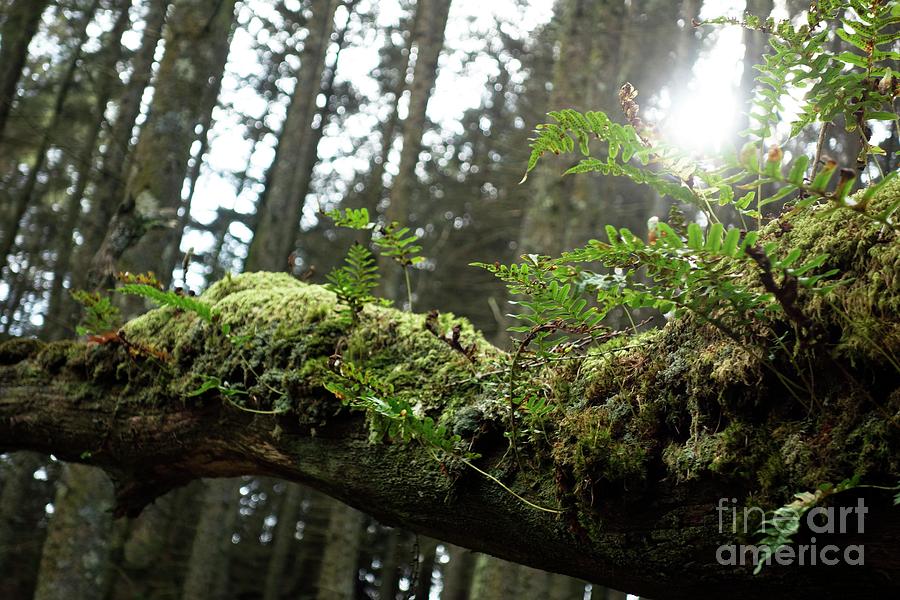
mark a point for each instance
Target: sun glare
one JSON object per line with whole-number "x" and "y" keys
{"x": 703, "y": 116}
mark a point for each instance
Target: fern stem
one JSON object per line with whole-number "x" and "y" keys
{"x": 517, "y": 496}
{"x": 409, "y": 298}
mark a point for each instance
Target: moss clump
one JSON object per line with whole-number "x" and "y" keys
{"x": 16, "y": 350}
{"x": 694, "y": 403}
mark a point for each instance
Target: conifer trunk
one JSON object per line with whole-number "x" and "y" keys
{"x": 75, "y": 564}
{"x": 25, "y": 196}
{"x": 113, "y": 173}
{"x": 280, "y": 206}
{"x": 21, "y": 22}
{"x": 58, "y": 318}
{"x": 197, "y": 45}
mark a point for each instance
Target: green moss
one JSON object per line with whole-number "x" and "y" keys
{"x": 16, "y": 350}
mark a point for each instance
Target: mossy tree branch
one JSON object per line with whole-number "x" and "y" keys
{"x": 647, "y": 434}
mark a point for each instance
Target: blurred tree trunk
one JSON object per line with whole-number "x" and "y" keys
{"x": 458, "y": 573}
{"x": 375, "y": 186}
{"x": 21, "y": 537}
{"x": 431, "y": 21}
{"x": 155, "y": 553}
{"x": 308, "y": 561}
{"x": 558, "y": 204}
{"x": 280, "y": 206}
{"x": 283, "y": 543}
{"x": 563, "y": 587}
{"x": 304, "y": 174}
{"x": 493, "y": 579}
{"x": 533, "y": 583}
{"x": 76, "y": 558}
{"x": 58, "y": 321}
{"x": 197, "y": 45}
{"x": 393, "y": 555}
{"x": 337, "y": 577}
{"x": 25, "y": 195}
{"x": 20, "y": 24}
{"x": 113, "y": 173}
{"x": 426, "y": 561}
{"x": 207, "y": 573}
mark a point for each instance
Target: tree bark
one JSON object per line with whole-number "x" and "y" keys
{"x": 207, "y": 573}
{"x": 283, "y": 542}
{"x": 25, "y": 196}
{"x": 113, "y": 172}
{"x": 106, "y": 77}
{"x": 186, "y": 90}
{"x": 651, "y": 435}
{"x": 337, "y": 577}
{"x": 280, "y": 206}
{"x": 75, "y": 562}
{"x": 430, "y": 23}
{"x": 20, "y": 24}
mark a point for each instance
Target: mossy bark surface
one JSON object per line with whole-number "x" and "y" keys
{"x": 648, "y": 434}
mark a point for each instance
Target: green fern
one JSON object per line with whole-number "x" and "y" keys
{"x": 354, "y": 282}
{"x": 167, "y": 298}
{"x": 100, "y": 315}
{"x": 394, "y": 417}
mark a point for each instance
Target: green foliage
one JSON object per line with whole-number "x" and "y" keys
{"x": 391, "y": 240}
{"x": 351, "y": 218}
{"x": 552, "y": 303}
{"x": 780, "y": 526}
{"x": 354, "y": 282}
{"x": 395, "y": 417}
{"x": 100, "y": 315}
{"x": 176, "y": 300}
{"x": 858, "y": 84}
{"x": 399, "y": 244}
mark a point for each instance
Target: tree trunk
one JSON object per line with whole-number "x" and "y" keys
{"x": 76, "y": 561}
{"x": 394, "y": 554}
{"x": 375, "y": 187}
{"x": 25, "y": 195}
{"x": 458, "y": 574}
{"x": 429, "y": 44}
{"x": 113, "y": 174}
{"x": 431, "y": 20}
{"x": 207, "y": 573}
{"x": 58, "y": 318}
{"x": 564, "y": 210}
{"x": 494, "y": 579}
{"x": 283, "y": 543}
{"x": 21, "y": 22}
{"x": 653, "y": 438}
{"x": 22, "y": 508}
{"x": 280, "y": 206}
{"x": 337, "y": 577}
{"x": 197, "y": 45}
{"x": 755, "y": 44}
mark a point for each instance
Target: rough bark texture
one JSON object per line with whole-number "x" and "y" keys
{"x": 113, "y": 172}
{"x": 186, "y": 89}
{"x": 649, "y": 435}
{"x": 75, "y": 560}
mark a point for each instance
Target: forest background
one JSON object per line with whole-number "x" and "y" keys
{"x": 241, "y": 122}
